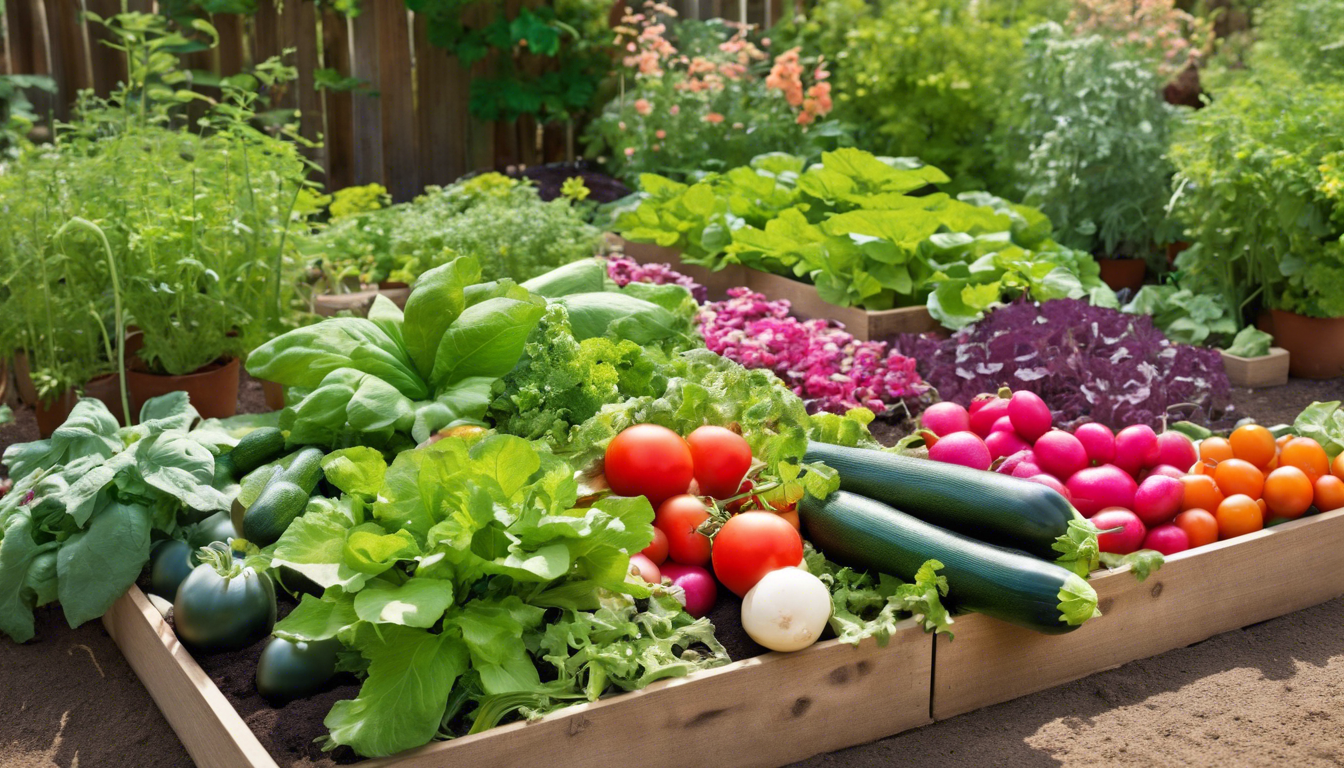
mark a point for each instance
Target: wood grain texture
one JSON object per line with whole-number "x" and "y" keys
{"x": 211, "y": 730}
{"x": 766, "y": 711}
{"x": 1195, "y": 595}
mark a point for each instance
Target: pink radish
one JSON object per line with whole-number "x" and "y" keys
{"x": 961, "y": 448}
{"x": 945, "y": 418}
{"x": 701, "y": 592}
{"x": 647, "y": 570}
{"x": 1030, "y": 415}
{"x": 1004, "y": 443}
{"x": 1053, "y": 484}
{"x": 1165, "y": 470}
{"x": 1096, "y": 488}
{"x": 1027, "y": 469}
{"x": 1009, "y": 464}
{"x": 1130, "y": 536}
{"x": 1136, "y": 448}
{"x": 1004, "y": 424}
{"x": 1158, "y": 499}
{"x": 1099, "y": 442}
{"x": 1167, "y": 539}
{"x": 1176, "y": 450}
{"x": 982, "y": 420}
{"x": 981, "y": 400}
{"x": 1060, "y": 453}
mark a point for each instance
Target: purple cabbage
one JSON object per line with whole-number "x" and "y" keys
{"x": 1088, "y": 364}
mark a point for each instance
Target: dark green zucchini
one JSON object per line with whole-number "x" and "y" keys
{"x": 1012, "y": 586}
{"x": 987, "y": 506}
{"x": 256, "y": 448}
{"x": 283, "y": 499}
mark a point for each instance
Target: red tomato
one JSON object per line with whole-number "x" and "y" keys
{"x": 657, "y": 549}
{"x": 751, "y": 545}
{"x": 722, "y": 458}
{"x": 648, "y": 460}
{"x": 679, "y": 517}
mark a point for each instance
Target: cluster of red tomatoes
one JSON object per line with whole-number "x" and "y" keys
{"x": 689, "y": 481}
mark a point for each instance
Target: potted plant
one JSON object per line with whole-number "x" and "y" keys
{"x": 1088, "y": 144}
{"x": 1260, "y": 185}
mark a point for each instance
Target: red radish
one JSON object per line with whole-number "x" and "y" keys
{"x": 647, "y": 570}
{"x": 1130, "y": 536}
{"x": 1096, "y": 488}
{"x": 945, "y": 418}
{"x": 1175, "y": 449}
{"x": 1167, "y": 539}
{"x": 1060, "y": 453}
{"x": 981, "y": 400}
{"x": 982, "y": 420}
{"x": 1009, "y": 464}
{"x": 1053, "y": 484}
{"x": 1164, "y": 470}
{"x": 961, "y": 448}
{"x": 1004, "y": 424}
{"x": 1158, "y": 499}
{"x": 1099, "y": 442}
{"x": 701, "y": 591}
{"x": 1001, "y": 443}
{"x": 1028, "y": 468}
{"x": 1030, "y": 415}
{"x": 1136, "y": 448}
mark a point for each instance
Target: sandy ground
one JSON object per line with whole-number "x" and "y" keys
{"x": 1270, "y": 694}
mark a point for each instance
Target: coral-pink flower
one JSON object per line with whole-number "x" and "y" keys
{"x": 643, "y": 107}
{"x": 713, "y": 118}
{"x": 629, "y": 151}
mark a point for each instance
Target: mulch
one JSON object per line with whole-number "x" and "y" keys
{"x": 1264, "y": 695}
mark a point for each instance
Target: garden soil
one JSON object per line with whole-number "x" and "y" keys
{"x": 1269, "y": 694}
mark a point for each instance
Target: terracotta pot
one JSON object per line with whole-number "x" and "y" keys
{"x": 53, "y": 414}
{"x": 275, "y": 394}
{"x": 213, "y": 389}
{"x": 1315, "y": 345}
{"x": 1174, "y": 250}
{"x": 1123, "y": 273}
{"x": 23, "y": 379}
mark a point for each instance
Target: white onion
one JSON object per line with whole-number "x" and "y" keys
{"x": 786, "y": 610}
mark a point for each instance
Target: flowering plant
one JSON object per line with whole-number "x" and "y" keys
{"x": 706, "y": 96}
{"x": 827, "y": 367}
{"x": 1175, "y": 38}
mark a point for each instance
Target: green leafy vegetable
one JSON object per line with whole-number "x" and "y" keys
{"x": 1250, "y": 342}
{"x": 1140, "y": 563}
{"x": 863, "y": 606}
{"x": 1324, "y": 423}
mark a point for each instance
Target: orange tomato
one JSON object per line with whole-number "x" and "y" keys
{"x": 1307, "y": 455}
{"x": 1215, "y": 449}
{"x": 1282, "y": 440}
{"x": 1329, "y": 493}
{"x": 1200, "y": 493}
{"x": 1288, "y": 492}
{"x": 1253, "y": 443}
{"x": 1337, "y": 467}
{"x": 1200, "y": 526}
{"x": 1235, "y": 476}
{"x": 1237, "y": 516}
{"x": 791, "y": 517}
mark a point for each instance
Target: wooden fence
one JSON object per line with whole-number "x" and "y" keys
{"x": 414, "y": 132}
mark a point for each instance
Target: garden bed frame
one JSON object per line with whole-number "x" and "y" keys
{"x": 803, "y": 298}
{"x": 1257, "y": 372}
{"x": 779, "y": 708}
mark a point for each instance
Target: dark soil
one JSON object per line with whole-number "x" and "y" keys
{"x": 1265, "y": 695}
{"x": 550, "y": 178}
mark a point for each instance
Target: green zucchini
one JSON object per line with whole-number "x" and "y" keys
{"x": 1012, "y": 586}
{"x": 988, "y": 506}
{"x": 257, "y": 447}
{"x": 283, "y": 499}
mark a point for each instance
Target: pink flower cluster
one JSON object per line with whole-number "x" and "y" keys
{"x": 625, "y": 270}
{"x": 786, "y": 76}
{"x": 642, "y": 37}
{"x": 1176, "y": 37}
{"x": 824, "y": 365}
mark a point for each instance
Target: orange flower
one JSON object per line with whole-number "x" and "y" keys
{"x": 643, "y": 107}
{"x": 713, "y": 118}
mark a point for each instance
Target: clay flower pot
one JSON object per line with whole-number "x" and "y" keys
{"x": 1123, "y": 273}
{"x": 213, "y": 389}
{"x": 1315, "y": 345}
{"x": 23, "y": 379}
{"x": 274, "y": 393}
{"x": 52, "y": 414}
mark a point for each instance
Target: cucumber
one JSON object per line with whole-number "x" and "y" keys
{"x": 283, "y": 499}
{"x": 993, "y": 508}
{"x": 1011, "y": 586}
{"x": 257, "y": 447}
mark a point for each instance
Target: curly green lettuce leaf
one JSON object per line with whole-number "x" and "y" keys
{"x": 1324, "y": 423}
{"x": 863, "y": 606}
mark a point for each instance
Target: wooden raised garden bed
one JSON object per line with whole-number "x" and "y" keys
{"x": 1194, "y": 596}
{"x": 863, "y": 324}
{"x": 763, "y": 711}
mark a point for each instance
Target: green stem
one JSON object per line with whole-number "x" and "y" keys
{"x": 116, "y": 303}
